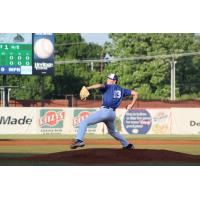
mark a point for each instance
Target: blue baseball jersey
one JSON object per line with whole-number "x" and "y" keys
{"x": 113, "y": 95}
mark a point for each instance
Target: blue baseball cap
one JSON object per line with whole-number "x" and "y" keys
{"x": 113, "y": 77}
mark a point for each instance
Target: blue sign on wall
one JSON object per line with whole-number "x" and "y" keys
{"x": 137, "y": 121}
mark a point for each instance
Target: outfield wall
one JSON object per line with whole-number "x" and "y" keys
{"x": 74, "y": 102}
{"x": 43, "y": 120}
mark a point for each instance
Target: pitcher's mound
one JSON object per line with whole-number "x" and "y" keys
{"x": 118, "y": 157}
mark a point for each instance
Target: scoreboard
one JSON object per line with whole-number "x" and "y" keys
{"x": 16, "y": 53}
{"x": 27, "y": 53}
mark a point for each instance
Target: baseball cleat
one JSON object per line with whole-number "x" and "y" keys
{"x": 128, "y": 147}
{"x": 77, "y": 144}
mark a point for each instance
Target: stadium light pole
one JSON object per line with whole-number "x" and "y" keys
{"x": 173, "y": 79}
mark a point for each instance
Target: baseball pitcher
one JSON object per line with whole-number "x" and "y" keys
{"x": 112, "y": 97}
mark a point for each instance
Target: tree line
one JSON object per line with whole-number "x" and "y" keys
{"x": 150, "y": 77}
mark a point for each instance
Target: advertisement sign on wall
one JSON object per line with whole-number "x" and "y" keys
{"x": 15, "y": 121}
{"x": 43, "y": 54}
{"x": 185, "y": 120}
{"x": 161, "y": 121}
{"x": 67, "y": 121}
{"x": 137, "y": 121}
{"x": 51, "y": 120}
{"x": 81, "y": 114}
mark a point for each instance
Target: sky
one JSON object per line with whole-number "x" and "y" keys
{"x": 99, "y": 38}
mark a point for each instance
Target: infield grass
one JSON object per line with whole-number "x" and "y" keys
{"x": 189, "y": 149}
{"x": 45, "y": 149}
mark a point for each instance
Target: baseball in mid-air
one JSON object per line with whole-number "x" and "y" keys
{"x": 43, "y": 48}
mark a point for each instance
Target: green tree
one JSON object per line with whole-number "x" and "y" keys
{"x": 154, "y": 74}
{"x": 69, "y": 78}
{"x": 151, "y": 77}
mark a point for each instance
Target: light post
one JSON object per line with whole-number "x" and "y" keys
{"x": 102, "y": 64}
{"x": 173, "y": 79}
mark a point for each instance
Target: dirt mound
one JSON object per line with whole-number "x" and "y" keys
{"x": 118, "y": 157}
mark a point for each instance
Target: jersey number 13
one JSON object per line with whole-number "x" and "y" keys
{"x": 117, "y": 94}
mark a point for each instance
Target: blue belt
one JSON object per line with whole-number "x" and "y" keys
{"x": 107, "y": 107}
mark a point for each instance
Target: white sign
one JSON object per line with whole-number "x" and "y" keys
{"x": 185, "y": 120}
{"x": 18, "y": 120}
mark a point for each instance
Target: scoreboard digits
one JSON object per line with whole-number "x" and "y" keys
{"x": 13, "y": 57}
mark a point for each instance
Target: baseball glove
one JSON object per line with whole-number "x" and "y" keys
{"x": 84, "y": 93}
